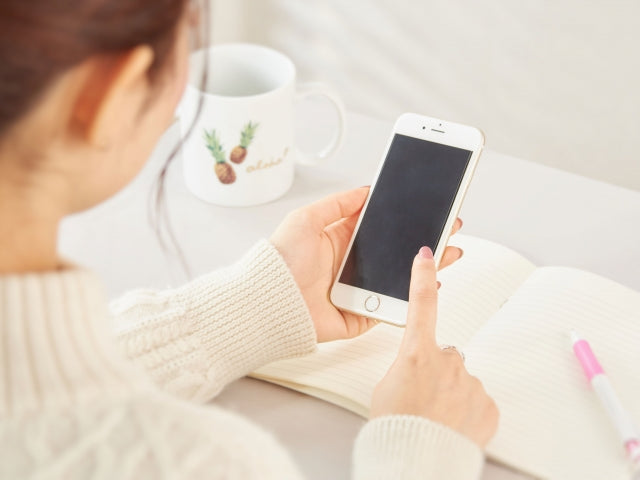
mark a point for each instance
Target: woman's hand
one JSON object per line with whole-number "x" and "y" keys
{"x": 313, "y": 240}
{"x": 430, "y": 382}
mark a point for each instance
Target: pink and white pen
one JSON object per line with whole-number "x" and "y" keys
{"x": 619, "y": 416}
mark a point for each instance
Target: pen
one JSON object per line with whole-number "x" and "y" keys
{"x": 608, "y": 398}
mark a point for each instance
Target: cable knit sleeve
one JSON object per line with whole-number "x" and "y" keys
{"x": 197, "y": 338}
{"x": 407, "y": 447}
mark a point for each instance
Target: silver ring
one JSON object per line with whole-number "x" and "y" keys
{"x": 453, "y": 347}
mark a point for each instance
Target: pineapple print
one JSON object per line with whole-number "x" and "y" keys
{"x": 239, "y": 153}
{"x": 223, "y": 170}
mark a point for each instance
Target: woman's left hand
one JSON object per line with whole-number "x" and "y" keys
{"x": 313, "y": 241}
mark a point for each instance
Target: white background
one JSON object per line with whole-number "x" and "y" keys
{"x": 553, "y": 82}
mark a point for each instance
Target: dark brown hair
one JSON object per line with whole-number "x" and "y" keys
{"x": 41, "y": 39}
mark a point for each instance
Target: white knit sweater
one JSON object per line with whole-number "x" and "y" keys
{"x": 72, "y": 406}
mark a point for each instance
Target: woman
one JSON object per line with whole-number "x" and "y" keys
{"x": 86, "y": 89}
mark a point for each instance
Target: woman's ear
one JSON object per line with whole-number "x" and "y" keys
{"x": 112, "y": 95}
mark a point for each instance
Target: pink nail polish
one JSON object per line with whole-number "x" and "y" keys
{"x": 425, "y": 252}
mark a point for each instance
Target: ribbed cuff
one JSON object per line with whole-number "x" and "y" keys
{"x": 250, "y": 314}
{"x": 409, "y": 447}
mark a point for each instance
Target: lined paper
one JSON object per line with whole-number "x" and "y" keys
{"x": 476, "y": 286}
{"x": 551, "y": 423}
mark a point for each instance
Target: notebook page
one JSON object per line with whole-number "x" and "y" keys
{"x": 476, "y": 286}
{"x": 551, "y": 423}
{"x": 345, "y": 372}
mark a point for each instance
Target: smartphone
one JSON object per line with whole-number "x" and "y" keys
{"x": 414, "y": 201}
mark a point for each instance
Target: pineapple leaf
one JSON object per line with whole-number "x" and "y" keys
{"x": 213, "y": 145}
{"x": 249, "y": 131}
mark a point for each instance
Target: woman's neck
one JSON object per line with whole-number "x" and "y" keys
{"x": 28, "y": 228}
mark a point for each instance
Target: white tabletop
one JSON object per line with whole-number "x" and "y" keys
{"x": 550, "y": 216}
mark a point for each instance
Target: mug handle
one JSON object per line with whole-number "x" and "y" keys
{"x": 313, "y": 89}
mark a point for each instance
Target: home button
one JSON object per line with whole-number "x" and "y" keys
{"x": 372, "y": 303}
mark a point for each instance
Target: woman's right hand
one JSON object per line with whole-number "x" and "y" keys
{"x": 427, "y": 381}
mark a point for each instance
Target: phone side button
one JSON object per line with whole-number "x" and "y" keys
{"x": 372, "y": 303}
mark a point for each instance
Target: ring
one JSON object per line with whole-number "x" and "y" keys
{"x": 453, "y": 347}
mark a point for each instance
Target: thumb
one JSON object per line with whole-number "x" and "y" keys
{"x": 338, "y": 206}
{"x": 420, "y": 332}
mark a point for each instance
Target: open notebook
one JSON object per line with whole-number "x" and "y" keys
{"x": 512, "y": 321}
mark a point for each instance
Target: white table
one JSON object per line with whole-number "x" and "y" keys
{"x": 550, "y": 216}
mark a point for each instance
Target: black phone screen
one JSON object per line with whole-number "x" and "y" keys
{"x": 409, "y": 207}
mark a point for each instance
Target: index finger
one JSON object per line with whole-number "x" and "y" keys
{"x": 420, "y": 332}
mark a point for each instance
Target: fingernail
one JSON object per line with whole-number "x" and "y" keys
{"x": 461, "y": 223}
{"x": 461, "y": 252}
{"x": 425, "y": 252}
{"x": 439, "y": 284}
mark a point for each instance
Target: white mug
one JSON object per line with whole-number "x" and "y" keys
{"x": 241, "y": 151}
